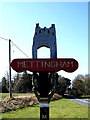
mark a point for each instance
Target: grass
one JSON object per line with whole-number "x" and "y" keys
{"x": 3, "y": 95}
{"x": 63, "y": 108}
{"x": 87, "y": 96}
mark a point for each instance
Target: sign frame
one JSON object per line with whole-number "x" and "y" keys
{"x": 37, "y": 65}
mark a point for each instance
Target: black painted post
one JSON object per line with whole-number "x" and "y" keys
{"x": 44, "y": 105}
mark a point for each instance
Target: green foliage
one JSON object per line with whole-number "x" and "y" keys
{"x": 22, "y": 84}
{"x": 4, "y": 89}
{"x": 81, "y": 85}
{"x": 87, "y": 84}
{"x": 62, "y": 85}
{"x": 4, "y": 85}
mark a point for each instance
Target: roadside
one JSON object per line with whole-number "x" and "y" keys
{"x": 79, "y": 100}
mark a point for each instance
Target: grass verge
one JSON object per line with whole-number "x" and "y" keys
{"x": 62, "y": 108}
{"x": 4, "y": 95}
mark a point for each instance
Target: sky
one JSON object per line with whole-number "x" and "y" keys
{"x": 18, "y": 20}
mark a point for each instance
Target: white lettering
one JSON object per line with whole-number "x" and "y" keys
{"x": 22, "y": 64}
{"x": 62, "y": 64}
{"x": 53, "y": 64}
{"x": 37, "y": 63}
{"x": 42, "y": 64}
{"x": 47, "y": 64}
{"x": 31, "y": 63}
{"x": 56, "y": 64}
{"x": 70, "y": 63}
{"x": 44, "y": 116}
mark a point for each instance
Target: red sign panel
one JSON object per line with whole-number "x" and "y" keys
{"x": 68, "y": 65}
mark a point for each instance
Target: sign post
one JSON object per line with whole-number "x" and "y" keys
{"x": 44, "y": 70}
{"x": 44, "y": 105}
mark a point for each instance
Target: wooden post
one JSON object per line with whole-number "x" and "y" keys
{"x": 10, "y": 85}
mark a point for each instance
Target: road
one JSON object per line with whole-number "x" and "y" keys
{"x": 79, "y": 100}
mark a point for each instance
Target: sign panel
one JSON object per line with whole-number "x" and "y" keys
{"x": 68, "y": 65}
